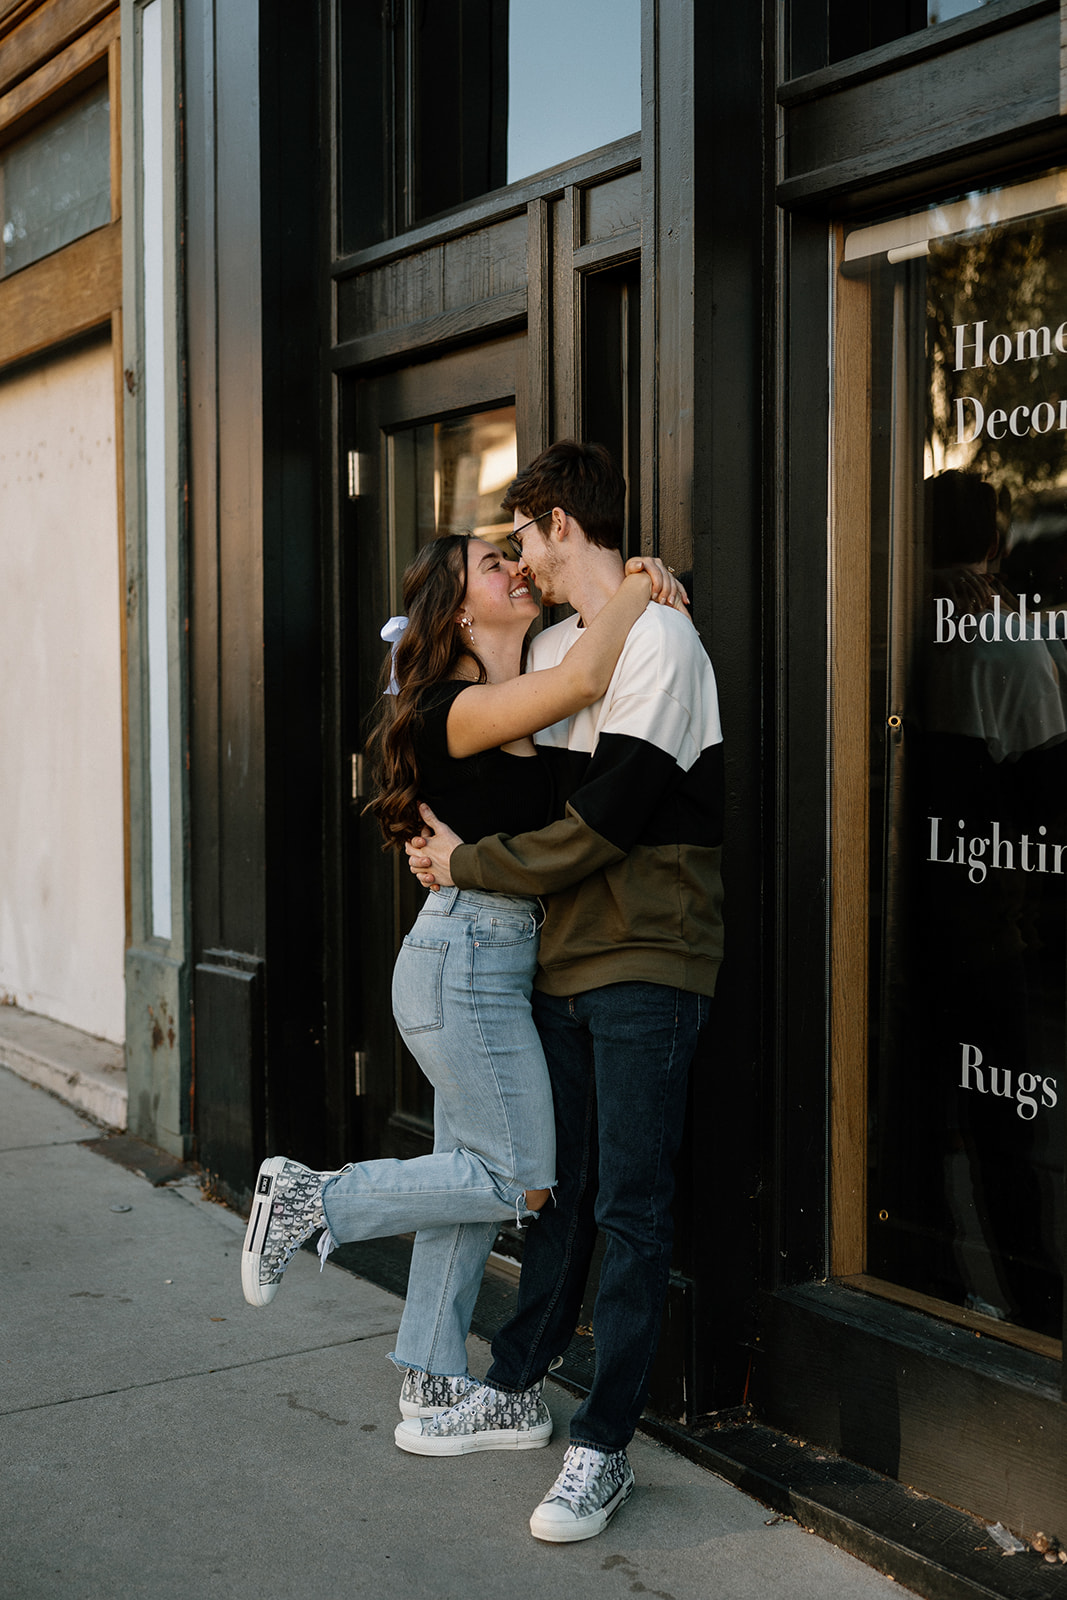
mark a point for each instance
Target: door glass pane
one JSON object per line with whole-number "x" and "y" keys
{"x": 968, "y": 1084}
{"x": 55, "y": 184}
{"x": 445, "y": 477}
{"x": 449, "y": 477}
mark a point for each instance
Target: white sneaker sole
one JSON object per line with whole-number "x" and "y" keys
{"x": 256, "y": 1293}
{"x": 410, "y": 1437}
{"x": 551, "y": 1531}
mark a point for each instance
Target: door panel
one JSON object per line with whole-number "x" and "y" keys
{"x": 434, "y": 448}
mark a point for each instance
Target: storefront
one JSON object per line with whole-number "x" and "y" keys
{"x": 461, "y": 313}
{"x": 806, "y": 274}
{"x": 804, "y": 269}
{"x": 923, "y": 258}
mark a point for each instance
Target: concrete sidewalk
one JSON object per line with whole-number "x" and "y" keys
{"x": 159, "y": 1437}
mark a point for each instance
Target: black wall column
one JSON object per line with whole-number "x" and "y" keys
{"x": 707, "y": 146}
{"x": 224, "y": 311}
{"x": 255, "y": 751}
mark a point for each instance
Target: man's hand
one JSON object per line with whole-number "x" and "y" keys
{"x": 429, "y": 853}
{"x": 667, "y": 590}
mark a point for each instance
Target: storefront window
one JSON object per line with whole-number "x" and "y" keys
{"x": 944, "y": 10}
{"x": 55, "y": 184}
{"x": 441, "y": 103}
{"x": 574, "y": 79}
{"x": 968, "y": 698}
{"x": 855, "y": 26}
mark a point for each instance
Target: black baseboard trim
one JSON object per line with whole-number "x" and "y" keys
{"x": 933, "y": 1549}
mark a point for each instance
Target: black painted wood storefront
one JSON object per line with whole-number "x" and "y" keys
{"x": 671, "y": 294}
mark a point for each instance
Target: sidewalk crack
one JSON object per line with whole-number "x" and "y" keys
{"x": 185, "y": 1377}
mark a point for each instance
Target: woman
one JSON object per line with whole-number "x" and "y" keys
{"x": 456, "y": 731}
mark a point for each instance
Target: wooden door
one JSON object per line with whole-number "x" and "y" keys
{"x": 430, "y": 449}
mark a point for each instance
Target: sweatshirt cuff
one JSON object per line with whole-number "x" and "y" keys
{"x": 463, "y": 866}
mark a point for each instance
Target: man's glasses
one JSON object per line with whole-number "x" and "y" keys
{"x": 513, "y": 538}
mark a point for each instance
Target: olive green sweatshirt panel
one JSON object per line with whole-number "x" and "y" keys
{"x": 653, "y": 917}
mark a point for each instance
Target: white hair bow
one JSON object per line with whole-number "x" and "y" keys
{"x": 392, "y": 633}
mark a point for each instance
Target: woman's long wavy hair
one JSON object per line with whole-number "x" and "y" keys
{"x": 435, "y": 586}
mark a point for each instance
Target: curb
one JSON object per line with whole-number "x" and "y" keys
{"x": 88, "y": 1074}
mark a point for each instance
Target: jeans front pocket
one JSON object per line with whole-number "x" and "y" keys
{"x": 418, "y": 976}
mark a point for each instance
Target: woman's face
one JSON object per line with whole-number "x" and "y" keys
{"x": 496, "y": 594}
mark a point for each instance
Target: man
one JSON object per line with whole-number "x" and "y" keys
{"x": 629, "y": 954}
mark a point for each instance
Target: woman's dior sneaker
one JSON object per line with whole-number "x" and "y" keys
{"x": 585, "y": 1496}
{"x": 286, "y": 1210}
{"x": 427, "y": 1394}
{"x": 485, "y": 1419}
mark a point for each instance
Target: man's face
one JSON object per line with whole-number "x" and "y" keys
{"x": 541, "y": 561}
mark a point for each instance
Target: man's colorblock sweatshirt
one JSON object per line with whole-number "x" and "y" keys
{"x": 632, "y": 866}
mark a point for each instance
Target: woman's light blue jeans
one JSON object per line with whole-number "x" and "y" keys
{"x": 461, "y": 999}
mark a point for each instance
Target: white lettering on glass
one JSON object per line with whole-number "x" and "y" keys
{"x": 979, "y": 1077}
{"x": 996, "y": 626}
{"x": 994, "y": 849}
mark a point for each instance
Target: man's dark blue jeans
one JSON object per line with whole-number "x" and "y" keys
{"x": 618, "y": 1059}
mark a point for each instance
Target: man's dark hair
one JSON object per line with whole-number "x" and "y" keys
{"x": 583, "y": 480}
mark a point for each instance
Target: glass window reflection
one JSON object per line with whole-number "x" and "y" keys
{"x": 450, "y": 476}
{"x": 574, "y": 79}
{"x": 968, "y": 1081}
{"x": 856, "y": 26}
{"x": 442, "y": 101}
{"x": 944, "y": 10}
{"x": 445, "y": 476}
{"x": 55, "y": 184}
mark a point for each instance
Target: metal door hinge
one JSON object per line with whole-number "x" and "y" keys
{"x": 353, "y": 475}
{"x": 357, "y": 775}
{"x": 360, "y": 1062}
